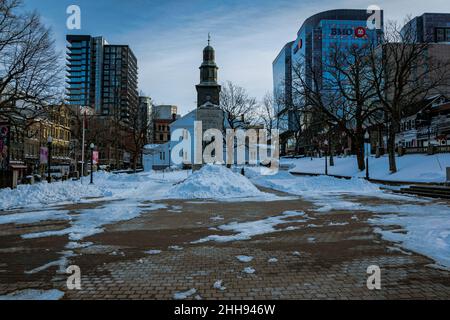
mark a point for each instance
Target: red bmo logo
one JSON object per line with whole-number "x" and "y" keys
{"x": 360, "y": 32}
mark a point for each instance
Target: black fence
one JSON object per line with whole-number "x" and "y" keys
{"x": 428, "y": 150}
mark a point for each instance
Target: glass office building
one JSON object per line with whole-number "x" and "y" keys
{"x": 315, "y": 39}
{"x": 324, "y": 31}
{"x": 429, "y": 27}
{"x": 282, "y": 81}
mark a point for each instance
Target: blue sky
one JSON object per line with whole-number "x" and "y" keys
{"x": 168, "y": 36}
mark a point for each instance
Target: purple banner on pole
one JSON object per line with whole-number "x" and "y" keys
{"x": 43, "y": 155}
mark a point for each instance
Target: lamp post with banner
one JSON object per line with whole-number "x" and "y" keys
{"x": 92, "y": 162}
{"x": 326, "y": 160}
{"x": 49, "y": 161}
{"x": 367, "y": 141}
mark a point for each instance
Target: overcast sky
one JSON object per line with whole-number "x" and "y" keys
{"x": 168, "y": 36}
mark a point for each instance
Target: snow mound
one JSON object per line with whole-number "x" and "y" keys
{"x": 214, "y": 182}
{"x": 308, "y": 186}
{"x": 45, "y": 193}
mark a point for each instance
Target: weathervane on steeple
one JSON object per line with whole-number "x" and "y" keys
{"x": 209, "y": 38}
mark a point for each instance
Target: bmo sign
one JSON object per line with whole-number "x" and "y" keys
{"x": 359, "y": 32}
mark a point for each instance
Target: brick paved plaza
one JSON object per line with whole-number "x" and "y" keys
{"x": 324, "y": 257}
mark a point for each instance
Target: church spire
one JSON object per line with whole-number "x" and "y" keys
{"x": 208, "y": 89}
{"x": 208, "y": 69}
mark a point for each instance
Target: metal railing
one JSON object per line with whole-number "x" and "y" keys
{"x": 437, "y": 149}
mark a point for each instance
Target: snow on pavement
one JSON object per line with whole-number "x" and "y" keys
{"x": 249, "y": 270}
{"x": 185, "y": 294}
{"x": 424, "y": 226}
{"x": 423, "y": 229}
{"x": 244, "y": 258}
{"x": 33, "y": 294}
{"x": 247, "y": 230}
{"x": 34, "y": 216}
{"x": 218, "y": 285}
{"x": 88, "y": 222}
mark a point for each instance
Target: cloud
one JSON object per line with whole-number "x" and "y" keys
{"x": 168, "y": 36}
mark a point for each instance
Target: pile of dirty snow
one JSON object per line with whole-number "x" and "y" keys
{"x": 44, "y": 193}
{"x": 214, "y": 182}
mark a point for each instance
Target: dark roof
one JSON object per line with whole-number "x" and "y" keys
{"x": 419, "y": 106}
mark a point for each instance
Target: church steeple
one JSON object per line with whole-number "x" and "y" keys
{"x": 208, "y": 90}
{"x": 208, "y": 69}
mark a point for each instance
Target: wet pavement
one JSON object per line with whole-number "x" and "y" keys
{"x": 321, "y": 255}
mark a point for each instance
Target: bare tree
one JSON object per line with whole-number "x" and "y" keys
{"x": 236, "y": 104}
{"x": 349, "y": 69}
{"x": 30, "y": 69}
{"x": 339, "y": 94}
{"x": 137, "y": 130}
{"x": 267, "y": 114}
{"x": 404, "y": 72}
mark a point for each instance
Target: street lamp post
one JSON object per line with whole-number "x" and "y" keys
{"x": 326, "y": 160}
{"x": 169, "y": 159}
{"x": 49, "y": 162}
{"x": 92, "y": 162}
{"x": 366, "y": 139}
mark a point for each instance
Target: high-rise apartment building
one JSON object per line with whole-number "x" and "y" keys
{"x": 101, "y": 76}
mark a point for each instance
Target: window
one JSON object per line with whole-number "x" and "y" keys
{"x": 442, "y": 34}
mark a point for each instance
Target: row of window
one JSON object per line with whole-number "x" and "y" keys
{"x": 162, "y": 137}
{"x": 442, "y": 34}
{"x": 162, "y": 127}
{"x": 34, "y": 150}
{"x": 408, "y": 125}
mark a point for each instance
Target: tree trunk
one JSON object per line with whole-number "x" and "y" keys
{"x": 134, "y": 162}
{"x": 359, "y": 146}
{"x": 391, "y": 147}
